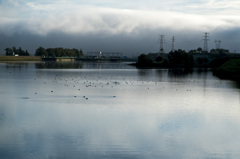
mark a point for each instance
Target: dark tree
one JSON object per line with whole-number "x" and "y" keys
{"x": 13, "y": 51}
{"x": 159, "y": 59}
{"x": 199, "y": 50}
{"x": 202, "y": 61}
{"x": 58, "y": 52}
{"x": 144, "y": 60}
{"x": 27, "y": 54}
{"x": 192, "y": 52}
{"x": 179, "y": 58}
{"x": 41, "y": 52}
{"x": 9, "y": 51}
{"x": 220, "y": 51}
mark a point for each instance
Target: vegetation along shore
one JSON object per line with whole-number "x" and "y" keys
{"x": 220, "y": 61}
{"x": 20, "y": 58}
{"x": 229, "y": 70}
{"x": 223, "y": 63}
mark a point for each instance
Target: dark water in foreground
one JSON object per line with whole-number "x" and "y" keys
{"x": 112, "y": 110}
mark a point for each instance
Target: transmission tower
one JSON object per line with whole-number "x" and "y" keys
{"x": 173, "y": 44}
{"x": 218, "y": 44}
{"x": 162, "y": 41}
{"x": 205, "y": 39}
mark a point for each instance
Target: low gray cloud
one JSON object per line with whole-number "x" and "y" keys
{"x": 107, "y": 26}
{"x": 145, "y": 42}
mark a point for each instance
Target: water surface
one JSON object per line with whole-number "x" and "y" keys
{"x": 112, "y": 110}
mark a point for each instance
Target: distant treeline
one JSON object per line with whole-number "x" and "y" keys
{"x": 177, "y": 58}
{"x": 58, "y": 52}
{"x": 16, "y": 52}
{"x": 181, "y": 58}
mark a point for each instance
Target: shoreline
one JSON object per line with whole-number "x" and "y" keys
{"x": 20, "y": 58}
{"x": 227, "y": 70}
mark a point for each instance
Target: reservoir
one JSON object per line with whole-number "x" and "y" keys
{"x": 72, "y": 110}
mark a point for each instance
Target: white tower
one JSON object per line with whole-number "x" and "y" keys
{"x": 205, "y": 40}
{"x": 162, "y": 41}
{"x": 218, "y": 44}
{"x": 173, "y": 44}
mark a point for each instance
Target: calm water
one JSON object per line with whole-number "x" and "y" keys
{"x": 112, "y": 110}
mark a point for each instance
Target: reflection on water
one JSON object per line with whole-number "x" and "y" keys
{"x": 16, "y": 65}
{"x": 59, "y": 65}
{"x": 81, "y": 65}
{"x": 179, "y": 72}
{"x": 112, "y": 110}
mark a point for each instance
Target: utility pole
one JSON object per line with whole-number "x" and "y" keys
{"x": 173, "y": 44}
{"x": 162, "y": 41}
{"x": 218, "y": 44}
{"x": 205, "y": 39}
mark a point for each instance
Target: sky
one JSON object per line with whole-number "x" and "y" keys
{"x": 131, "y": 27}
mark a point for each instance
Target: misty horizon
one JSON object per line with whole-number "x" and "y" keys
{"x": 129, "y": 27}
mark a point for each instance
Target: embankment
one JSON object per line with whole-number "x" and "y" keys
{"x": 229, "y": 70}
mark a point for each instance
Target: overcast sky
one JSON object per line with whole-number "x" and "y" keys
{"x": 131, "y": 27}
